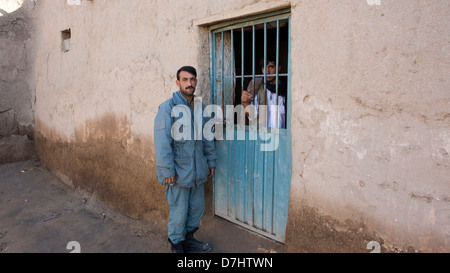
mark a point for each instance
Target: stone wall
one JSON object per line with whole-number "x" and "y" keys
{"x": 16, "y": 81}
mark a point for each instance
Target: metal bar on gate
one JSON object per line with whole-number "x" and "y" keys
{"x": 232, "y": 68}
{"x": 213, "y": 66}
{"x": 268, "y": 75}
{"x": 289, "y": 92}
{"x": 265, "y": 55}
{"x": 242, "y": 58}
{"x": 276, "y": 69}
{"x": 222, "y": 68}
{"x": 277, "y": 57}
{"x": 277, "y": 120}
{"x": 253, "y": 60}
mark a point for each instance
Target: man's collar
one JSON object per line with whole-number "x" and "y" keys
{"x": 180, "y": 99}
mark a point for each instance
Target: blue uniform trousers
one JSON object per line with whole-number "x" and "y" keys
{"x": 186, "y": 208}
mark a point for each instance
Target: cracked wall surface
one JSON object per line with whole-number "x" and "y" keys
{"x": 17, "y": 93}
{"x": 370, "y": 109}
{"x": 371, "y": 103}
{"x": 17, "y": 60}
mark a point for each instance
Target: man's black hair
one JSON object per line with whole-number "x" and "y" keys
{"x": 270, "y": 58}
{"x": 188, "y": 69}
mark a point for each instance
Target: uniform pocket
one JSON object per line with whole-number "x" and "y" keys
{"x": 184, "y": 170}
{"x": 178, "y": 148}
{"x": 160, "y": 124}
{"x": 183, "y": 163}
{"x": 171, "y": 196}
{"x": 202, "y": 169}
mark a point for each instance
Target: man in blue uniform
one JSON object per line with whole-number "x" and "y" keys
{"x": 185, "y": 163}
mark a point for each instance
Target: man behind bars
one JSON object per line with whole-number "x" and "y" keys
{"x": 258, "y": 93}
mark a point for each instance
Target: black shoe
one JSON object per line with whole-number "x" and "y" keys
{"x": 190, "y": 245}
{"x": 176, "y": 248}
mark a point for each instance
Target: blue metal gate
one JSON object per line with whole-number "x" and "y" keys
{"x": 252, "y": 185}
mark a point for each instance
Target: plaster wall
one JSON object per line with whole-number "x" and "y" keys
{"x": 371, "y": 104}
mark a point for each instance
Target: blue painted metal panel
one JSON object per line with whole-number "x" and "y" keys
{"x": 252, "y": 187}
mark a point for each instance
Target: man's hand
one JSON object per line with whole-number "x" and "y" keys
{"x": 211, "y": 172}
{"x": 170, "y": 180}
{"x": 246, "y": 98}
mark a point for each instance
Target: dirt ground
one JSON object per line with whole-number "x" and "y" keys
{"x": 41, "y": 214}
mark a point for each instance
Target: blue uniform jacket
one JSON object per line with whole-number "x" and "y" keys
{"x": 188, "y": 160}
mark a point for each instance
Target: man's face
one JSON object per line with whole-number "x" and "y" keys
{"x": 187, "y": 83}
{"x": 271, "y": 69}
